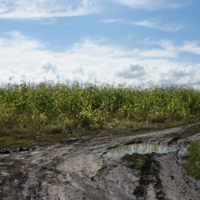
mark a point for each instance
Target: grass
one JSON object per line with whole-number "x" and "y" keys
{"x": 9, "y": 164}
{"x": 190, "y": 131}
{"x": 193, "y": 160}
{"x": 145, "y": 164}
{"x": 38, "y": 114}
{"x": 135, "y": 160}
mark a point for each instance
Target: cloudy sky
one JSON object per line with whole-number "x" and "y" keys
{"x": 132, "y": 41}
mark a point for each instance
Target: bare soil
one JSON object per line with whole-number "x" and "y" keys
{"x": 79, "y": 170}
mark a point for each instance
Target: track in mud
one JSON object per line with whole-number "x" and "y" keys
{"x": 79, "y": 171}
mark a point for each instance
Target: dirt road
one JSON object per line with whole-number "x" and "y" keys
{"x": 79, "y": 170}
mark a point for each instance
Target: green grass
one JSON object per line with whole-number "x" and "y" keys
{"x": 9, "y": 164}
{"x": 33, "y": 114}
{"x": 190, "y": 131}
{"x": 135, "y": 160}
{"x": 193, "y": 160}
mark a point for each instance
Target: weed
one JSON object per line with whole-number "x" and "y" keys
{"x": 193, "y": 159}
{"x": 135, "y": 160}
{"x": 190, "y": 131}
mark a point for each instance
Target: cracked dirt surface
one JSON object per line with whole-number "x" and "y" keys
{"x": 81, "y": 171}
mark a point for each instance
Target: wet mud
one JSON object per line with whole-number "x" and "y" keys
{"x": 80, "y": 170}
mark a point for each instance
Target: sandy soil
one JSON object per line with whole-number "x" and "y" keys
{"x": 80, "y": 171}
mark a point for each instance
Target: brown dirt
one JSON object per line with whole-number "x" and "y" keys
{"x": 80, "y": 171}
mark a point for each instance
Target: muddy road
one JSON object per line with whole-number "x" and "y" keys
{"x": 80, "y": 170}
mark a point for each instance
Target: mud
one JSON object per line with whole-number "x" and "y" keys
{"x": 79, "y": 170}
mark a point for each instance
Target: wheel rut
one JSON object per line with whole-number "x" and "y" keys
{"x": 81, "y": 170}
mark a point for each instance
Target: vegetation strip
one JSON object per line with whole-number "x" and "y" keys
{"x": 193, "y": 160}
{"x": 35, "y": 115}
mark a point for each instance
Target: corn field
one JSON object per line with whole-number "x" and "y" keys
{"x": 30, "y": 107}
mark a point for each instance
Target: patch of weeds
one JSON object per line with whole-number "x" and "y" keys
{"x": 151, "y": 170}
{"x": 114, "y": 132}
{"x": 55, "y": 130}
{"x": 190, "y": 131}
{"x": 13, "y": 142}
{"x": 151, "y": 180}
{"x": 10, "y": 165}
{"x": 193, "y": 160}
{"x": 135, "y": 160}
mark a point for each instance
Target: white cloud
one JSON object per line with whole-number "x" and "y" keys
{"x": 191, "y": 47}
{"x": 95, "y": 48}
{"x": 152, "y": 23}
{"x": 92, "y": 59}
{"x": 156, "y": 24}
{"x": 22, "y": 9}
{"x": 131, "y": 72}
{"x": 48, "y": 67}
{"x": 80, "y": 69}
{"x": 110, "y": 21}
{"x": 188, "y": 46}
{"x": 158, "y": 53}
{"x": 182, "y": 72}
{"x": 152, "y": 4}
{"x": 37, "y": 9}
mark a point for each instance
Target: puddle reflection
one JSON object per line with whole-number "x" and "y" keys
{"x": 141, "y": 148}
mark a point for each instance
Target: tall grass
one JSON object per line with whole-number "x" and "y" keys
{"x": 31, "y": 109}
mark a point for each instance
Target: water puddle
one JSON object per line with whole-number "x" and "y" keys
{"x": 182, "y": 152}
{"x": 141, "y": 148}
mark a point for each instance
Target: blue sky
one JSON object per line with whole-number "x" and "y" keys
{"x": 132, "y": 41}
